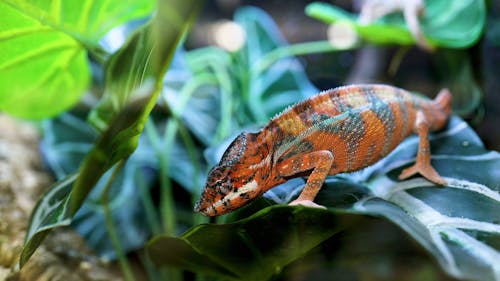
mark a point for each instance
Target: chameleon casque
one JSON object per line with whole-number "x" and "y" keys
{"x": 341, "y": 130}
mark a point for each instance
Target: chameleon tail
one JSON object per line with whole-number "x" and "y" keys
{"x": 443, "y": 101}
{"x": 442, "y": 108}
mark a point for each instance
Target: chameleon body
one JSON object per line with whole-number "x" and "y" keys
{"x": 341, "y": 130}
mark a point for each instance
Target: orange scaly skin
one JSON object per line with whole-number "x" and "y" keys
{"x": 336, "y": 131}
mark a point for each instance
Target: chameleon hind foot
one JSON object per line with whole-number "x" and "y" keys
{"x": 307, "y": 203}
{"x": 423, "y": 164}
{"x": 427, "y": 171}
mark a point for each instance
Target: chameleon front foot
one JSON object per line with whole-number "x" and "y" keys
{"x": 307, "y": 203}
{"x": 426, "y": 171}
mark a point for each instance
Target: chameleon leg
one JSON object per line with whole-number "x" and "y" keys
{"x": 423, "y": 162}
{"x": 320, "y": 162}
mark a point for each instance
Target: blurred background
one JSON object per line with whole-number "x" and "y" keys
{"x": 408, "y": 67}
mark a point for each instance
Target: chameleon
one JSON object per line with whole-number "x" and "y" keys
{"x": 344, "y": 129}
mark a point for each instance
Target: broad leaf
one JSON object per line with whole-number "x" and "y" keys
{"x": 255, "y": 248}
{"x": 44, "y": 68}
{"x": 458, "y": 224}
{"x": 445, "y": 23}
{"x": 53, "y": 212}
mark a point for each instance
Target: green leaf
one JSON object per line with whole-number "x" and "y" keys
{"x": 51, "y": 211}
{"x": 391, "y": 29}
{"x": 450, "y": 24}
{"x": 458, "y": 224}
{"x": 454, "y": 24}
{"x": 44, "y": 68}
{"x": 255, "y": 248}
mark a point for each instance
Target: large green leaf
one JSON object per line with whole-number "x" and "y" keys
{"x": 255, "y": 248}
{"x": 445, "y": 23}
{"x": 159, "y": 39}
{"x": 44, "y": 68}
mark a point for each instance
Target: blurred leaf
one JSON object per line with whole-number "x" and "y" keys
{"x": 267, "y": 91}
{"x": 390, "y": 29}
{"x": 115, "y": 144}
{"x": 456, "y": 71}
{"x": 120, "y": 138}
{"x": 54, "y": 38}
{"x": 454, "y": 24}
{"x": 52, "y": 211}
{"x": 126, "y": 208}
{"x": 215, "y": 91}
{"x": 255, "y": 248}
{"x": 67, "y": 139}
{"x": 445, "y": 23}
{"x": 194, "y": 88}
{"x": 145, "y": 56}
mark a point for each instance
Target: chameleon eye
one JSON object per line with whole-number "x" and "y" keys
{"x": 224, "y": 188}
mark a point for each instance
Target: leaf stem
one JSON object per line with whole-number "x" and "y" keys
{"x": 124, "y": 264}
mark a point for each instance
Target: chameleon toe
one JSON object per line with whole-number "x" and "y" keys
{"x": 306, "y": 203}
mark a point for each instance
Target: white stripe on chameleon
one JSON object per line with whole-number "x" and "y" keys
{"x": 251, "y": 186}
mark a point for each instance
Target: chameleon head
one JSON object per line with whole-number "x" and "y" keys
{"x": 228, "y": 187}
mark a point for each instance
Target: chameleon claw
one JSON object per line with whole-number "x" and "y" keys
{"x": 427, "y": 172}
{"x": 306, "y": 203}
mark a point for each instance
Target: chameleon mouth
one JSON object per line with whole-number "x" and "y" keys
{"x": 202, "y": 207}
{"x": 228, "y": 203}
